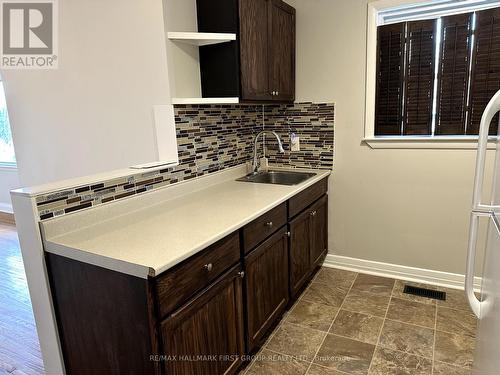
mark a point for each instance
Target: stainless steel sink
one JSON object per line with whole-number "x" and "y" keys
{"x": 277, "y": 177}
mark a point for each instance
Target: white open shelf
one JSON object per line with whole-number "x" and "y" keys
{"x": 201, "y": 39}
{"x": 228, "y": 100}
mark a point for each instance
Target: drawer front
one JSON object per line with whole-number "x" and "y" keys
{"x": 262, "y": 227}
{"x": 307, "y": 197}
{"x": 196, "y": 273}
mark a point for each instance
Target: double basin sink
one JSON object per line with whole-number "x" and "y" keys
{"x": 277, "y": 177}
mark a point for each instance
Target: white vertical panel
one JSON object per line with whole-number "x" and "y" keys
{"x": 165, "y": 133}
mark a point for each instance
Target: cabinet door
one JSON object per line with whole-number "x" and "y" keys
{"x": 319, "y": 231}
{"x": 254, "y": 49}
{"x": 300, "y": 245}
{"x": 282, "y": 50}
{"x": 266, "y": 285}
{"x": 206, "y": 335}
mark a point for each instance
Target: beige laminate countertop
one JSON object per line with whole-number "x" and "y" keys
{"x": 148, "y": 241}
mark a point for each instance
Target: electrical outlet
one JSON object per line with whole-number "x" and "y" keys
{"x": 264, "y": 163}
{"x": 294, "y": 142}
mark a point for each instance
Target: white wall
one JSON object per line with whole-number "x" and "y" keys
{"x": 407, "y": 207}
{"x": 9, "y": 179}
{"x": 94, "y": 113}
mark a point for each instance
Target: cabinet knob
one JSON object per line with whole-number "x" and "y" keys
{"x": 208, "y": 267}
{"x": 287, "y": 234}
{"x": 313, "y": 213}
{"x": 277, "y": 93}
{"x": 269, "y": 224}
{"x": 241, "y": 274}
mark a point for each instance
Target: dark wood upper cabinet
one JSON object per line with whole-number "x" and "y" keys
{"x": 206, "y": 336}
{"x": 266, "y": 286}
{"x": 281, "y": 39}
{"x": 260, "y": 65}
{"x": 254, "y": 50}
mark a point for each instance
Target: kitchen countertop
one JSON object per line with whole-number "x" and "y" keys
{"x": 148, "y": 241}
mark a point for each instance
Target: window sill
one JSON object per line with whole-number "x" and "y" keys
{"x": 443, "y": 142}
{"x": 8, "y": 166}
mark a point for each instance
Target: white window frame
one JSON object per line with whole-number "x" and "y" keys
{"x": 398, "y": 142}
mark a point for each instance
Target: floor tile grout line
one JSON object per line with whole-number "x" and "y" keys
{"x": 403, "y": 352}
{"x": 328, "y": 368}
{"x": 300, "y": 360}
{"x": 453, "y": 365}
{"x": 331, "y": 333}
{"x": 410, "y": 324}
{"x": 398, "y": 297}
{"x": 331, "y": 324}
{"x": 381, "y": 329}
{"x": 288, "y": 355}
{"x": 468, "y": 311}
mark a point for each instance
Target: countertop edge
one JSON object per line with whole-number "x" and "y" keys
{"x": 112, "y": 264}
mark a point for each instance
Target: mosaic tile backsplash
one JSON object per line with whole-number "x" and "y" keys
{"x": 312, "y": 123}
{"x": 212, "y": 138}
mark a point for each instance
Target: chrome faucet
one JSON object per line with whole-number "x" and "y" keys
{"x": 280, "y": 145}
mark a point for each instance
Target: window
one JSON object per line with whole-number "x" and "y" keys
{"x": 7, "y": 157}
{"x": 436, "y": 66}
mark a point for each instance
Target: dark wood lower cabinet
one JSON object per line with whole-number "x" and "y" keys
{"x": 206, "y": 336}
{"x": 319, "y": 231}
{"x": 308, "y": 243}
{"x": 300, "y": 244}
{"x": 200, "y": 317}
{"x": 105, "y": 318}
{"x": 266, "y": 282}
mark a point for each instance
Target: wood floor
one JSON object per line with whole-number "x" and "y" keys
{"x": 19, "y": 346}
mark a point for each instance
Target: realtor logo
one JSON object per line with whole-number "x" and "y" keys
{"x": 29, "y": 34}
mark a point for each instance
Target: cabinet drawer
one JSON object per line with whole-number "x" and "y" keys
{"x": 196, "y": 273}
{"x": 302, "y": 200}
{"x": 262, "y": 227}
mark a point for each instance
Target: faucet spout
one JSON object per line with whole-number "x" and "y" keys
{"x": 255, "y": 166}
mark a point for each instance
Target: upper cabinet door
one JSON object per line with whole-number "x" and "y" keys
{"x": 281, "y": 50}
{"x": 254, "y": 51}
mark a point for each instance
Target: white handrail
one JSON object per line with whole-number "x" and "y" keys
{"x": 474, "y": 303}
{"x": 479, "y": 209}
{"x": 491, "y": 109}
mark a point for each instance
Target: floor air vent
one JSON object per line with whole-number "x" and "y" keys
{"x": 423, "y": 292}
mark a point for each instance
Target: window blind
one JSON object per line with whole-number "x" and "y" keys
{"x": 453, "y": 74}
{"x": 390, "y": 69}
{"x": 436, "y": 76}
{"x": 419, "y": 81}
{"x": 485, "y": 68}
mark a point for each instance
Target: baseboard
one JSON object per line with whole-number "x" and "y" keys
{"x": 420, "y": 275}
{"x": 6, "y": 214}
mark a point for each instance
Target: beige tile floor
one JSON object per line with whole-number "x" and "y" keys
{"x": 357, "y": 324}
